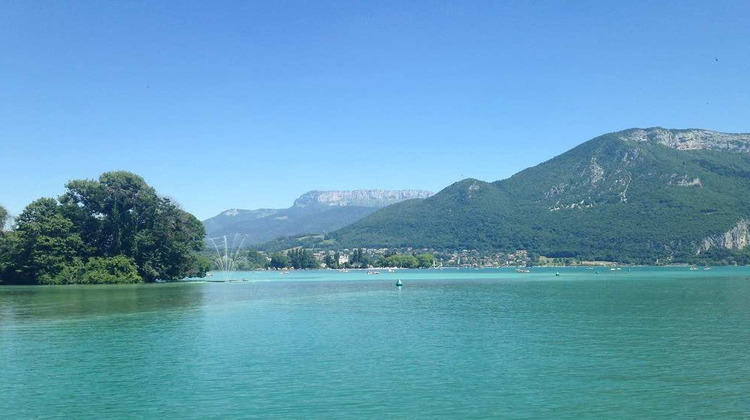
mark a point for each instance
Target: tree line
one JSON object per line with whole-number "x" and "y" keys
{"x": 301, "y": 258}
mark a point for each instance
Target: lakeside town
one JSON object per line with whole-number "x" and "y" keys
{"x": 407, "y": 257}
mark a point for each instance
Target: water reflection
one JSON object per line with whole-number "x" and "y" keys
{"x": 23, "y": 304}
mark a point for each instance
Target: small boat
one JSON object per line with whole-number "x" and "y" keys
{"x": 522, "y": 270}
{"x": 693, "y": 268}
{"x": 373, "y": 272}
{"x": 399, "y": 283}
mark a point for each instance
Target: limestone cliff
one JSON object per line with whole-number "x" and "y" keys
{"x": 360, "y": 198}
{"x": 737, "y": 237}
{"x": 313, "y": 212}
{"x": 691, "y": 139}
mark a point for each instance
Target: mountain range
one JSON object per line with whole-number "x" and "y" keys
{"x": 313, "y": 212}
{"x": 638, "y": 195}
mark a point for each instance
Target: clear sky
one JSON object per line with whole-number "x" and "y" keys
{"x": 249, "y": 104}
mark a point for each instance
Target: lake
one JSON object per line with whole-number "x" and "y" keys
{"x": 493, "y": 343}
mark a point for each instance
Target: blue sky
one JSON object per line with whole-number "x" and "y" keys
{"x": 249, "y": 104}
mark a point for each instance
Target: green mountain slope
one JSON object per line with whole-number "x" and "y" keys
{"x": 638, "y": 195}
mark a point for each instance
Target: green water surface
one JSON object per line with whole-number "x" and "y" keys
{"x": 638, "y": 343}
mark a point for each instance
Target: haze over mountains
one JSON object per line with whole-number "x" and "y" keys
{"x": 635, "y": 195}
{"x": 313, "y": 212}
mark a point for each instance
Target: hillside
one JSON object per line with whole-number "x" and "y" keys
{"x": 636, "y": 195}
{"x": 313, "y": 212}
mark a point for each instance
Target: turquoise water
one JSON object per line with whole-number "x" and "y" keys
{"x": 323, "y": 344}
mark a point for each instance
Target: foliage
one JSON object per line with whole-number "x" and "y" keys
{"x": 358, "y": 258}
{"x": 43, "y": 243}
{"x": 252, "y": 260}
{"x": 97, "y": 270}
{"x": 4, "y": 216}
{"x": 302, "y": 258}
{"x": 279, "y": 260}
{"x": 202, "y": 265}
{"x": 119, "y": 269}
{"x": 104, "y": 223}
{"x": 407, "y": 261}
{"x": 332, "y": 260}
{"x": 607, "y": 199}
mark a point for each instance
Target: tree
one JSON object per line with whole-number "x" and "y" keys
{"x": 116, "y": 229}
{"x": 4, "y": 216}
{"x": 203, "y": 264}
{"x": 425, "y": 260}
{"x": 399, "y": 260}
{"x": 42, "y": 245}
{"x": 119, "y": 269}
{"x": 279, "y": 260}
{"x": 332, "y": 261}
{"x": 121, "y": 215}
{"x": 302, "y": 258}
{"x": 358, "y": 258}
{"x": 252, "y": 260}
{"x": 328, "y": 261}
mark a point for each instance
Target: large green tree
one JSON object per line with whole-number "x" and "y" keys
{"x": 95, "y": 223}
{"x": 122, "y": 215}
{"x": 43, "y": 243}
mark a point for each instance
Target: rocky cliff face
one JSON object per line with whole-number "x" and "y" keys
{"x": 691, "y": 139}
{"x": 313, "y": 212}
{"x": 360, "y": 198}
{"x": 736, "y": 238}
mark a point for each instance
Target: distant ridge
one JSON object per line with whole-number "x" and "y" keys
{"x": 638, "y": 195}
{"x": 312, "y": 212}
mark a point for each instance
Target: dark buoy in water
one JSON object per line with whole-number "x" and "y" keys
{"x": 557, "y": 274}
{"x": 398, "y": 283}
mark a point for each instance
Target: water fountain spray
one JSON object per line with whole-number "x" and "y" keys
{"x": 227, "y": 260}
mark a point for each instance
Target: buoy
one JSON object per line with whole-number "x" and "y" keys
{"x": 398, "y": 283}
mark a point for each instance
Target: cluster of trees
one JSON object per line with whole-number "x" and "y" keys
{"x": 332, "y": 261}
{"x": 407, "y": 261}
{"x": 116, "y": 229}
{"x": 296, "y": 258}
{"x": 358, "y": 259}
{"x": 301, "y": 258}
{"x": 251, "y": 260}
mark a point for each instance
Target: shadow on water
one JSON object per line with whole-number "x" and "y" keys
{"x": 22, "y": 304}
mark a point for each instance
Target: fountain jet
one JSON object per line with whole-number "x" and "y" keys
{"x": 227, "y": 253}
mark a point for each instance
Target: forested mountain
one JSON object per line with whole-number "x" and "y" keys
{"x": 637, "y": 195}
{"x": 313, "y": 212}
